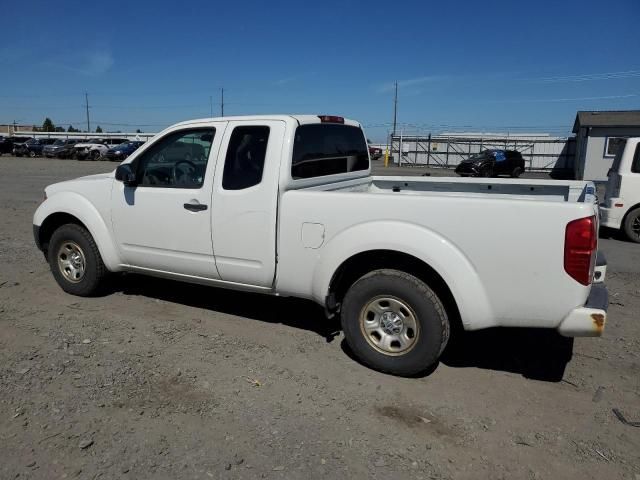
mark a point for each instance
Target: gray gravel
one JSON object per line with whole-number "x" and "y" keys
{"x": 183, "y": 381}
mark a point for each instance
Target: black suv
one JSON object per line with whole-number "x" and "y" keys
{"x": 490, "y": 163}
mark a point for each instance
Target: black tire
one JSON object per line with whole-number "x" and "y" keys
{"x": 631, "y": 225}
{"x": 432, "y": 324}
{"x": 94, "y": 155}
{"x": 516, "y": 172}
{"x": 95, "y": 271}
{"x": 32, "y": 154}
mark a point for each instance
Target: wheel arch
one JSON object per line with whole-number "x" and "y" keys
{"x": 68, "y": 207}
{"x": 626, "y": 214}
{"x": 364, "y": 262}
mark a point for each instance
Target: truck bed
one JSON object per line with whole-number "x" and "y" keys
{"x": 521, "y": 189}
{"x": 507, "y": 236}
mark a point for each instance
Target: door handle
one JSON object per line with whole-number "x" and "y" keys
{"x": 195, "y": 207}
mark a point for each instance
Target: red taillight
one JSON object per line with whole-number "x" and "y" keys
{"x": 580, "y": 243}
{"x": 331, "y": 119}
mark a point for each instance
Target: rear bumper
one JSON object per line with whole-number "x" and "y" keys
{"x": 611, "y": 217}
{"x": 589, "y": 320}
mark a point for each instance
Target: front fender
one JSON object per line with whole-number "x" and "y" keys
{"x": 433, "y": 249}
{"x": 78, "y": 206}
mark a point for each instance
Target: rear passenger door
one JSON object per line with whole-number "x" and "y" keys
{"x": 245, "y": 201}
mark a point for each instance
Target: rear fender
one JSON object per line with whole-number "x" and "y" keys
{"x": 424, "y": 244}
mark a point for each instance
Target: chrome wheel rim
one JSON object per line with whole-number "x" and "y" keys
{"x": 389, "y": 325}
{"x": 71, "y": 262}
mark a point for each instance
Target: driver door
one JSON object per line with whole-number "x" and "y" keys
{"x": 164, "y": 223}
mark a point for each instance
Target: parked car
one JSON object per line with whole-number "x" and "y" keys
{"x": 122, "y": 151}
{"x": 10, "y": 143}
{"x": 621, "y": 207}
{"x": 61, "y": 148}
{"x": 490, "y": 163}
{"x": 94, "y": 148}
{"x": 285, "y": 205}
{"x": 6, "y": 144}
{"x": 32, "y": 147}
{"x": 375, "y": 153}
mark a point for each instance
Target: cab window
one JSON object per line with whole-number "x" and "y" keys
{"x": 179, "y": 160}
{"x": 244, "y": 162}
{"x": 321, "y": 149}
{"x": 635, "y": 166}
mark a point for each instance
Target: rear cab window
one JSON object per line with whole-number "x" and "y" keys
{"x": 322, "y": 149}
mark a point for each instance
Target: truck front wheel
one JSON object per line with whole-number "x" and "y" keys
{"x": 75, "y": 261}
{"x": 395, "y": 323}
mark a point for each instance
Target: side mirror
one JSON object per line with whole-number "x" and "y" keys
{"x": 126, "y": 175}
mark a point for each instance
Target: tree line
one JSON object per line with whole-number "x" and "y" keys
{"x": 49, "y": 126}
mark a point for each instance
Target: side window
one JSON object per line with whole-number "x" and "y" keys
{"x": 244, "y": 163}
{"x": 635, "y": 166}
{"x": 178, "y": 160}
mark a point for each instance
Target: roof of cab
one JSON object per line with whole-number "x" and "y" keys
{"x": 301, "y": 119}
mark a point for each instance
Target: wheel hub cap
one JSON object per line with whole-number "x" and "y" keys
{"x": 389, "y": 325}
{"x": 71, "y": 261}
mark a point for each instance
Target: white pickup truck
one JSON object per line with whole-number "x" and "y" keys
{"x": 621, "y": 207}
{"x": 285, "y": 205}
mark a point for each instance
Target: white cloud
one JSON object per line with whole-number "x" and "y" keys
{"x": 90, "y": 63}
{"x": 411, "y": 82}
{"x": 588, "y": 77}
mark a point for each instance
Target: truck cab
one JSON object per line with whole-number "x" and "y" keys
{"x": 621, "y": 207}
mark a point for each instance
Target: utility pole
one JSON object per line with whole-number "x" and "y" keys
{"x": 222, "y": 102}
{"x": 211, "y": 105}
{"x": 395, "y": 108}
{"x": 86, "y": 99}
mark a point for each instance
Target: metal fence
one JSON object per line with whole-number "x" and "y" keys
{"x": 85, "y": 135}
{"x": 541, "y": 153}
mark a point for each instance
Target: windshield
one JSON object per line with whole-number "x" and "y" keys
{"x": 59, "y": 142}
{"x": 479, "y": 156}
{"x": 327, "y": 149}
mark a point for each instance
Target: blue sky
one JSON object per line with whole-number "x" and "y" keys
{"x": 463, "y": 66}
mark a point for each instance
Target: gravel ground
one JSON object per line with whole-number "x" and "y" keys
{"x": 165, "y": 380}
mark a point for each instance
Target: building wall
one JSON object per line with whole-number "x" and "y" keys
{"x": 596, "y": 165}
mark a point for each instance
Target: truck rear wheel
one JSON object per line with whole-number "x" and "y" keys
{"x": 395, "y": 323}
{"x": 75, "y": 261}
{"x": 632, "y": 225}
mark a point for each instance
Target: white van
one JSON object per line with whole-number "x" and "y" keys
{"x": 621, "y": 207}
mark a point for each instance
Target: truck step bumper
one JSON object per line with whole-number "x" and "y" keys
{"x": 588, "y": 321}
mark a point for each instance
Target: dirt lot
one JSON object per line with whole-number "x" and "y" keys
{"x": 165, "y": 380}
